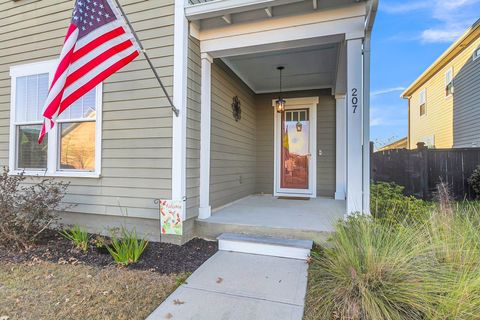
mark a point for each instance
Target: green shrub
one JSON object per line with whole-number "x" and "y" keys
{"x": 389, "y": 203}
{"x": 27, "y": 207}
{"x": 474, "y": 181}
{"x": 77, "y": 236}
{"x": 384, "y": 269}
{"x": 128, "y": 248}
{"x": 372, "y": 271}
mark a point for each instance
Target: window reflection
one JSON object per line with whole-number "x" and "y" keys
{"x": 31, "y": 155}
{"x": 77, "y": 149}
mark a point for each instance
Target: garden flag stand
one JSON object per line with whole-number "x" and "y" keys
{"x": 100, "y": 41}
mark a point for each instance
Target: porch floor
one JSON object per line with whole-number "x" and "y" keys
{"x": 317, "y": 214}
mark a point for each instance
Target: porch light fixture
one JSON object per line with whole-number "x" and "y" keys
{"x": 280, "y": 103}
{"x": 299, "y": 126}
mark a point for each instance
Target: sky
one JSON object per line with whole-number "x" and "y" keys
{"x": 407, "y": 37}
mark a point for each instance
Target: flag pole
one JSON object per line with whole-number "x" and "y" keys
{"x": 174, "y": 109}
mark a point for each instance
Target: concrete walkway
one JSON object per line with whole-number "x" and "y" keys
{"x": 239, "y": 286}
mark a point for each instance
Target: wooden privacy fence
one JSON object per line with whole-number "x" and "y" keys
{"x": 419, "y": 171}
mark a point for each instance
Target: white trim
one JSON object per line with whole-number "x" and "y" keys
{"x": 179, "y": 124}
{"x": 476, "y": 54}
{"x": 222, "y": 44}
{"x": 340, "y": 147}
{"x": 295, "y": 103}
{"x": 205, "y": 209}
{"x": 424, "y": 91}
{"x": 449, "y": 70}
{"x": 29, "y": 69}
{"x": 53, "y": 161}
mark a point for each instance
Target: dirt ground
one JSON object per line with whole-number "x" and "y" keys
{"x": 164, "y": 258}
{"x": 46, "y": 290}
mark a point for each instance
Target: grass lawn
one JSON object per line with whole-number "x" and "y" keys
{"x": 46, "y": 290}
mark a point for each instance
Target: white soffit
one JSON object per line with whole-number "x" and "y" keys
{"x": 305, "y": 68}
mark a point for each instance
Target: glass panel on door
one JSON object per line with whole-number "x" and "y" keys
{"x": 295, "y": 149}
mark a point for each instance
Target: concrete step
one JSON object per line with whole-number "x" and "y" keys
{"x": 208, "y": 230}
{"x": 264, "y": 245}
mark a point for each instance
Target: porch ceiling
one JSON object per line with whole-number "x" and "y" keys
{"x": 305, "y": 68}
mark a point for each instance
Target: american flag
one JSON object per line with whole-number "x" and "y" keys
{"x": 98, "y": 43}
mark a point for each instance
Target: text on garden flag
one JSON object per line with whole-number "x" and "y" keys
{"x": 171, "y": 216}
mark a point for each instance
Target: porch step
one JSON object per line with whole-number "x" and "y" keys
{"x": 264, "y": 245}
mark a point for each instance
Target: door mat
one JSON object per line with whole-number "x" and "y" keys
{"x": 293, "y": 198}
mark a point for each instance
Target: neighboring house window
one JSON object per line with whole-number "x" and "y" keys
{"x": 476, "y": 54}
{"x": 72, "y": 148}
{"x": 449, "y": 82}
{"x": 423, "y": 102}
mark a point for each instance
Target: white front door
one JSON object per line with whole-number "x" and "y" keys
{"x": 295, "y": 148}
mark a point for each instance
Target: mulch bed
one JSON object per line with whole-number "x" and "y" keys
{"x": 164, "y": 258}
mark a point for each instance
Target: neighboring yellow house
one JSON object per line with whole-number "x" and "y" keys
{"x": 398, "y": 144}
{"x": 444, "y": 102}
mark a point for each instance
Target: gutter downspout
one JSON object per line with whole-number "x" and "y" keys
{"x": 372, "y": 11}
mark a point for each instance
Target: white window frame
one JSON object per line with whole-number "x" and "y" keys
{"x": 476, "y": 54}
{"x": 424, "y": 91}
{"x": 449, "y": 70}
{"x": 53, "y": 155}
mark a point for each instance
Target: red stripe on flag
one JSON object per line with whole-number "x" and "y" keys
{"x": 95, "y": 62}
{"x": 97, "y": 42}
{"x": 63, "y": 65}
{"x": 96, "y": 80}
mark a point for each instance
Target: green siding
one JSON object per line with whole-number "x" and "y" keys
{"x": 137, "y": 123}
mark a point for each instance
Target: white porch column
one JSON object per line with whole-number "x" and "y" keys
{"x": 354, "y": 126}
{"x": 205, "y": 122}
{"x": 179, "y": 124}
{"x": 341, "y": 148}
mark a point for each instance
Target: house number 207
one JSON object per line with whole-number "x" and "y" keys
{"x": 354, "y": 99}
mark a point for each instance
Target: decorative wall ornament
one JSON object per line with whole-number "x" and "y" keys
{"x": 236, "y": 108}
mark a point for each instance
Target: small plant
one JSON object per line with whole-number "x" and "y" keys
{"x": 128, "y": 248}
{"x": 27, "y": 209}
{"x": 78, "y": 236}
{"x": 474, "y": 181}
{"x": 181, "y": 278}
{"x": 101, "y": 243}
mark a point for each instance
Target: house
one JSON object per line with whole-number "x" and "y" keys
{"x": 443, "y": 111}
{"x": 236, "y": 162}
{"x": 397, "y": 144}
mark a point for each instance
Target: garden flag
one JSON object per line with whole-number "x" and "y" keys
{"x": 98, "y": 44}
{"x": 171, "y": 217}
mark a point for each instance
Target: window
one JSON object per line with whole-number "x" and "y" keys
{"x": 423, "y": 102}
{"x": 476, "y": 54}
{"x": 449, "y": 82}
{"x": 72, "y": 148}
